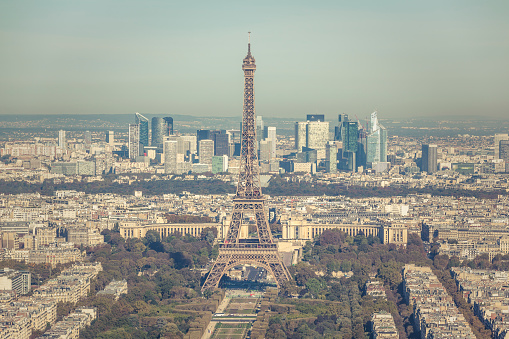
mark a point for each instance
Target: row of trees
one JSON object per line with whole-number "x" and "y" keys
{"x": 277, "y": 187}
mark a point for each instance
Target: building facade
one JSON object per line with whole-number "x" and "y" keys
{"x": 142, "y": 121}
{"x": 134, "y": 141}
{"x": 429, "y": 158}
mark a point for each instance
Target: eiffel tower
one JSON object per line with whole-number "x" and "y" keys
{"x": 249, "y": 199}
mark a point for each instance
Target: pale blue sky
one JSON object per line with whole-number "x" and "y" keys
{"x": 404, "y": 58}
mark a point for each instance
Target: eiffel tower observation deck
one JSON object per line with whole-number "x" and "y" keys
{"x": 248, "y": 200}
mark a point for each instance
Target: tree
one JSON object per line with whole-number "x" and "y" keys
{"x": 209, "y": 234}
{"x": 332, "y": 237}
{"x": 303, "y": 273}
{"x": 152, "y": 237}
{"x": 314, "y": 287}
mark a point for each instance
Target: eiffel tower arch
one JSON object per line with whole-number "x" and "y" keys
{"x": 248, "y": 201}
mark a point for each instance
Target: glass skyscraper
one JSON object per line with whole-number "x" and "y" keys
{"x": 349, "y": 136}
{"x": 377, "y": 141}
{"x": 168, "y": 126}
{"x": 158, "y": 132}
{"x": 143, "y": 123}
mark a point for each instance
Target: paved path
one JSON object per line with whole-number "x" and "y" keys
{"x": 212, "y": 324}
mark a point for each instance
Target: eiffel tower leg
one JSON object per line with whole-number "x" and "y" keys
{"x": 216, "y": 272}
{"x": 277, "y": 268}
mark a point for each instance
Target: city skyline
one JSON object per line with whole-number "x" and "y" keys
{"x": 404, "y": 60}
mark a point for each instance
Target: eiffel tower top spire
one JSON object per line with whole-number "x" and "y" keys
{"x": 249, "y": 61}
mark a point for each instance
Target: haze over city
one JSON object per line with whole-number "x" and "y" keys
{"x": 405, "y": 59}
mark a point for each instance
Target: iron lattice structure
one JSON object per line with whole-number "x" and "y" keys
{"x": 249, "y": 199}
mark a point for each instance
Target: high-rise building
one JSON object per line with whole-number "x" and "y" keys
{"x": 219, "y": 164}
{"x": 202, "y": 134}
{"x": 317, "y": 134}
{"x": 266, "y": 150}
{"x": 504, "y": 153}
{"x": 188, "y": 144}
{"x": 315, "y": 117}
{"x": 362, "y": 148}
{"x": 300, "y": 135}
{"x": 168, "y": 123}
{"x": 143, "y": 122}
{"x": 159, "y": 131}
{"x": 206, "y": 151}
{"x": 331, "y": 158}
{"x": 429, "y": 158}
{"x": 61, "y": 139}
{"x": 134, "y": 141}
{"x": 110, "y": 137}
{"x": 270, "y": 133}
{"x": 349, "y": 136}
{"x": 87, "y": 138}
{"x": 498, "y": 139}
{"x": 259, "y": 130}
{"x": 259, "y": 123}
{"x": 311, "y": 134}
{"x": 170, "y": 156}
{"x": 338, "y": 129}
{"x": 376, "y": 141}
{"x": 221, "y": 144}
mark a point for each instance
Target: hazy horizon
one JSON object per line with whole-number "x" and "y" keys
{"x": 406, "y": 60}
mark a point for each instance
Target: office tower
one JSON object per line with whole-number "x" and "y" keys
{"x": 87, "y": 138}
{"x": 377, "y": 141}
{"x": 143, "y": 138}
{"x": 168, "y": 123}
{"x": 189, "y": 144}
{"x": 61, "y": 139}
{"x": 311, "y": 134}
{"x": 259, "y": 131}
{"x": 206, "y": 151}
{"x": 429, "y": 158}
{"x": 221, "y": 144}
{"x": 315, "y": 117}
{"x": 317, "y": 134}
{"x": 266, "y": 150}
{"x": 270, "y": 133}
{"x": 342, "y": 118}
{"x": 202, "y": 134}
{"x": 259, "y": 123}
{"x": 339, "y": 129}
{"x": 504, "y": 153}
{"x": 350, "y": 134}
{"x": 362, "y": 147}
{"x": 170, "y": 156}
{"x": 219, "y": 164}
{"x": 235, "y": 135}
{"x": 300, "y": 135}
{"x": 134, "y": 141}
{"x": 248, "y": 200}
{"x": 110, "y": 137}
{"x": 159, "y": 131}
{"x": 331, "y": 158}
{"x": 498, "y": 139}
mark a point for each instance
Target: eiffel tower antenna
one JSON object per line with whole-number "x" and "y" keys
{"x": 248, "y": 199}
